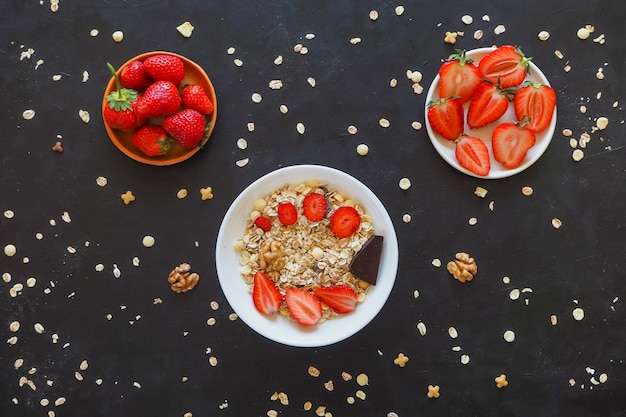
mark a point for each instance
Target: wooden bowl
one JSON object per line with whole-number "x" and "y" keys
{"x": 194, "y": 74}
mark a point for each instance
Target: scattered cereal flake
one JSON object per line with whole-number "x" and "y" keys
{"x": 362, "y": 149}
{"x": 472, "y": 221}
{"x": 362, "y": 379}
{"x": 544, "y": 35}
{"x": 256, "y": 98}
{"x": 101, "y": 181}
{"x": 94, "y": 32}
{"x": 514, "y": 294}
{"x": 300, "y": 128}
{"x": 14, "y": 326}
{"x": 578, "y": 314}
{"x": 39, "y": 328}
{"x": 283, "y": 109}
{"x": 467, "y": 19}
{"x": 553, "y": 320}
{"x": 478, "y": 34}
{"x": 148, "y": 241}
{"x": 128, "y": 197}
{"x": 401, "y": 360}
{"x": 416, "y": 125}
{"x": 28, "y": 114}
{"x": 354, "y": 41}
{"x": 583, "y": 33}
{"x": 118, "y": 36}
{"x": 450, "y": 37}
{"x": 182, "y": 193}
{"x": 207, "y": 192}
{"x": 406, "y": 217}
{"x": 501, "y": 381}
{"x": 242, "y": 143}
{"x": 384, "y": 122}
{"x": 436, "y": 262}
{"x": 9, "y": 214}
{"x": 238, "y": 62}
{"x": 480, "y": 192}
{"x": 66, "y": 217}
{"x": 311, "y": 81}
{"x": 509, "y": 336}
{"x": 59, "y": 401}
{"x": 185, "y": 29}
{"x": 275, "y": 84}
{"x": 578, "y": 155}
{"x": 360, "y": 394}
{"x": 99, "y": 267}
{"x": 556, "y": 223}
{"x": 352, "y": 130}
{"x": 465, "y": 359}
{"x": 486, "y": 18}
{"x": 298, "y": 48}
{"x": 404, "y": 183}
{"x": 10, "y": 250}
{"x": 433, "y": 391}
{"x": 230, "y": 50}
{"x": 84, "y": 115}
{"x": 527, "y": 190}
{"x": 373, "y": 15}
{"x": 399, "y": 10}
{"x": 421, "y": 327}
{"x": 452, "y": 332}
{"x": 116, "y": 271}
{"x": 602, "y": 123}
{"x": 500, "y": 29}
{"x": 313, "y": 371}
{"x": 242, "y": 162}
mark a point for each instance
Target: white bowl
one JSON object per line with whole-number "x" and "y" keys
{"x": 281, "y": 329}
{"x": 446, "y": 148}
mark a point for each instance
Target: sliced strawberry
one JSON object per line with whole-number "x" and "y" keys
{"x": 265, "y": 294}
{"x": 489, "y": 102}
{"x": 287, "y": 214}
{"x": 314, "y": 206}
{"x": 510, "y": 143}
{"x": 505, "y": 65}
{"x": 536, "y": 102}
{"x": 473, "y": 155}
{"x": 305, "y": 308}
{"x": 458, "y": 77}
{"x": 446, "y": 117}
{"x": 340, "y": 298}
{"x": 263, "y": 223}
{"x": 345, "y": 221}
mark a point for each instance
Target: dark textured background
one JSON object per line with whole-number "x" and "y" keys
{"x": 581, "y": 264}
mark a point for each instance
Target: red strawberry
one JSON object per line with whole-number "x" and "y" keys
{"x": 345, "y": 221}
{"x": 194, "y": 97}
{"x": 458, "y": 77}
{"x": 287, "y": 214}
{"x": 446, "y": 117}
{"x": 265, "y": 294}
{"x": 510, "y": 143}
{"x": 489, "y": 103}
{"x": 263, "y": 223}
{"x": 505, "y": 65}
{"x": 305, "y": 308}
{"x": 152, "y": 140}
{"x": 314, "y": 206}
{"x": 164, "y": 67}
{"x": 187, "y": 127}
{"x": 340, "y": 298}
{"x": 473, "y": 155}
{"x": 134, "y": 76}
{"x": 536, "y": 102}
{"x": 160, "y": 99}
{"x": 119, "y": 112}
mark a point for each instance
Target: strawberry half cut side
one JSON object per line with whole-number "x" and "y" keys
{"x": 305, "y": 308}
{"x": 341, "y": 299}
{"x": 265, "y": 294}
{"x": 473, "y": 155}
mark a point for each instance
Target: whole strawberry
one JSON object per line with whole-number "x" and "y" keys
{"x": 119, "y": 112}
{"x": 187, "y": 127}
{"x": 160, "y": 99}
{"x": 134, "y": 76}
{"x": 152, "y": 140}
{"x": 164, "y": 67}
{"x": 194, "y": 97}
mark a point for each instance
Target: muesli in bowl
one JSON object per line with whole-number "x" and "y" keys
{"x": 305, "y": 237}
{"x": 302, "y": 258}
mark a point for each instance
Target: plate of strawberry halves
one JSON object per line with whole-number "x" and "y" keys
{"x": 490, "y": 112}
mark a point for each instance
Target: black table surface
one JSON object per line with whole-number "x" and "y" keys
{"x": 147, "y": 359}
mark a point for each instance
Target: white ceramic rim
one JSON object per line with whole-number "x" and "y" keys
{"x": 281, "y": 329}
{"x": 446, "y": 148}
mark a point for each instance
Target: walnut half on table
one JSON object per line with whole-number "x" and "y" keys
{"x": 463, "y": 268}
{"x": 182, "y": 279}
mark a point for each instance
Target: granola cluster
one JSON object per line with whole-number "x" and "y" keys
{"x": 306, "y": 254}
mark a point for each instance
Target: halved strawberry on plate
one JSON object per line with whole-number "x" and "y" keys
{"x": 473, "y": 155}
{"x": 265, "y": 294}
{"x": 446, "y": 117}
{"x": 305, "y": 308}
{"x": 536, "y": 102}
{"x": 458, "y": 77}
{"x": 341, "y": 299}
{"x": 489, "y": 102}
{"x": 510, "y": 143}
{"x": 506, "y": 65}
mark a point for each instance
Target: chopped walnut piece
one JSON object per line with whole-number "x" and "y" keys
{"x": 271, "y": 255}
{"x": 182, "y": 279}
{"x": 463, "y": 268}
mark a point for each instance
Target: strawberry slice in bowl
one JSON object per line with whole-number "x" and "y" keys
{"x": 446, "y": 148}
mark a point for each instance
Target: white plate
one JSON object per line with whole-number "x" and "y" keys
{"x": 446, "y": 148}
{"x": 281, "y": 329}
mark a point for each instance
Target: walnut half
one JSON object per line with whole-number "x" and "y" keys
{"x": 463, "y": 267}
{"x": 182, "y": 279}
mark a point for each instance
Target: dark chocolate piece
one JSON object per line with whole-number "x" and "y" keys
{"x": 365, "y": 263}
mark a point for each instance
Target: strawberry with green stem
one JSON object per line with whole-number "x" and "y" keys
{"x": 536, "y": 102}
{"x": 119, "y": 112}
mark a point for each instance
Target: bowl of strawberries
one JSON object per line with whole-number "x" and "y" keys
{"x": 490, "y": 112}
{"x": 159, "y": 108}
